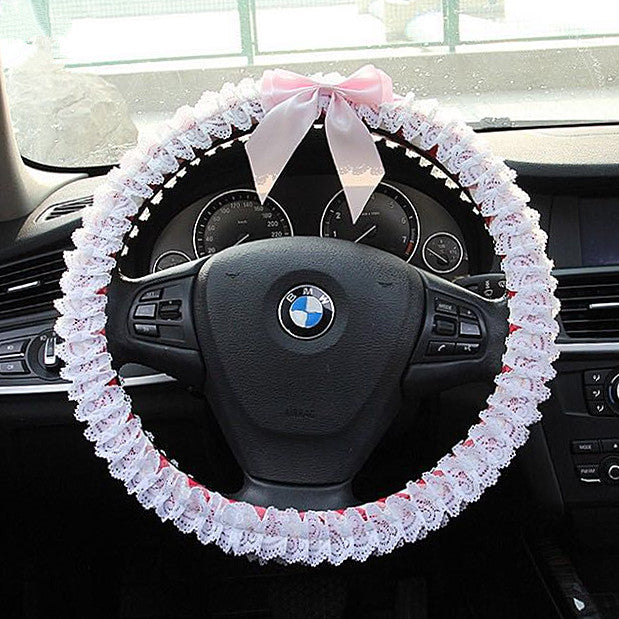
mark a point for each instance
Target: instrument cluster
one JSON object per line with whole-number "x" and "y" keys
{"x": 398, "y": 219}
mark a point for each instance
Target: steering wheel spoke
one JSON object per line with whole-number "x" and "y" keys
{"x": 462, "y": 339}
{"x": 150, "y": 321}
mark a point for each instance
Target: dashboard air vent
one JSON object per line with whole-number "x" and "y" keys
{"x": 30, "y": 286}
{"x": 590, "y": 305}
{"x": 65, "y": 208}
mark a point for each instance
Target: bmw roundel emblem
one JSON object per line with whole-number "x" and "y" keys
{"x": 306, "y": 311}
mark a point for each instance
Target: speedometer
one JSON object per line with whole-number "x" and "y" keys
{"x": 236, "y": 217}
{"x": 388, "y": 221}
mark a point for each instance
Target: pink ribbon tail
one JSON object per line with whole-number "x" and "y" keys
{"x": 354, "y": 153}
{"x": 277, "y": 136}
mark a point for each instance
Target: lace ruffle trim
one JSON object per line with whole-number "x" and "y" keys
{"x": 309, "y": 537}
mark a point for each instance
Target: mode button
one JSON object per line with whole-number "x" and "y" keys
{"x": 586, "y": 447}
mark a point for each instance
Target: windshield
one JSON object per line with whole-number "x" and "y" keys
{"x": 83, "y": 76}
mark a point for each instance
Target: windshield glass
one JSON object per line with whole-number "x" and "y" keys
{"x": 83, "y": 76}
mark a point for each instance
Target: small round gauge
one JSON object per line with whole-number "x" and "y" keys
{"x": 169, "y": 259}
{"x": 389, "y": 222}
{"x": 442, "y": 252}
{"x": 236, "y": 217}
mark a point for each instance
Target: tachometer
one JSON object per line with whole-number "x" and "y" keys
{"x": 236, "y": 217}
{"x": 389, "y": 221}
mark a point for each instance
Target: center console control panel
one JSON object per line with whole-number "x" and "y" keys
{"x": 581, "y": 428}
{"x": 596, "y": 460}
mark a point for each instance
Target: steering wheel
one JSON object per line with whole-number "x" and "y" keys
{"x": 305, "y": 348}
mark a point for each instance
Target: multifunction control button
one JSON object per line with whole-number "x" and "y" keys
{"x": 170, "y": 310}
{"x": 445, "y": 307}
{"x": 467, "y": 348}
{"x": 469, "y": 329}
{"x": 148, "y": 330}
{"x": 152, "y": 295}
{"x": 441, "y": 348}
{"x": 466, "y": 312}
{"x": 444, "y": 326}
{"x": 148, "y": 310}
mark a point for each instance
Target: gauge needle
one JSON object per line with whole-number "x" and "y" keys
{"x": 243, "y": 238}
{"x": 441, "y": 258}
{"x": 366, "y": 233}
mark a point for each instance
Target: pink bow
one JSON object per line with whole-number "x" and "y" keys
{"x": 292, "y": 105}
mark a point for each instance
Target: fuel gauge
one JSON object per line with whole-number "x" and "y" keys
{"x": 442, "y": 252}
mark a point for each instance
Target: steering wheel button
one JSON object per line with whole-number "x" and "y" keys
{"x": 467, "y": 312}
{"x": 594, "y": 393}
{"x": 13, "y": 367}
{"x": 445, "y": 307}
{"x": 170, "y": 310}
{"x": 147, "y": 330}
{"x": 16, "y": 347}
{"x": 596, "y": 377}
{"x": 441, "y": 348}
{"x": 467, "y": 348}
{"x": 444, "y": 326}
{"x": 145, "y": 311}
{"x": 152, "y": 295}
{"x": 469, "y": 329}
{"x": 586, "y": 447}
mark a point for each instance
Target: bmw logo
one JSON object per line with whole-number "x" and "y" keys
{"x": 306, "y": 312}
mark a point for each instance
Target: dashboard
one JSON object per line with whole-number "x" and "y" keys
{"x": 419, "y": 214}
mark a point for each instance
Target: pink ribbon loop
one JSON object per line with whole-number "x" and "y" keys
{"x": 292, "y": 105}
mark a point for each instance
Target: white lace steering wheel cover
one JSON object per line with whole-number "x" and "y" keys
{"x": 311, "y": 537}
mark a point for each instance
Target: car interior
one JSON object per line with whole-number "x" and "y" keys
{"x": 283, "y": 351}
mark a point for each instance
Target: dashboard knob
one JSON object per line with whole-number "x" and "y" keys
{"x": 613, "y": 472}
{"x": 613, "y": 390}
{"x": 610, "y": 470}
{"x": 50, "y": 359}
{"x": 42, "y": 358}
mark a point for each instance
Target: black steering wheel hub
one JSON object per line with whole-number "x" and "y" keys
{"x": 299, "y": 410}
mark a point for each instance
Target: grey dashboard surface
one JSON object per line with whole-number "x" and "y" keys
{"x": 588, "y": 150}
